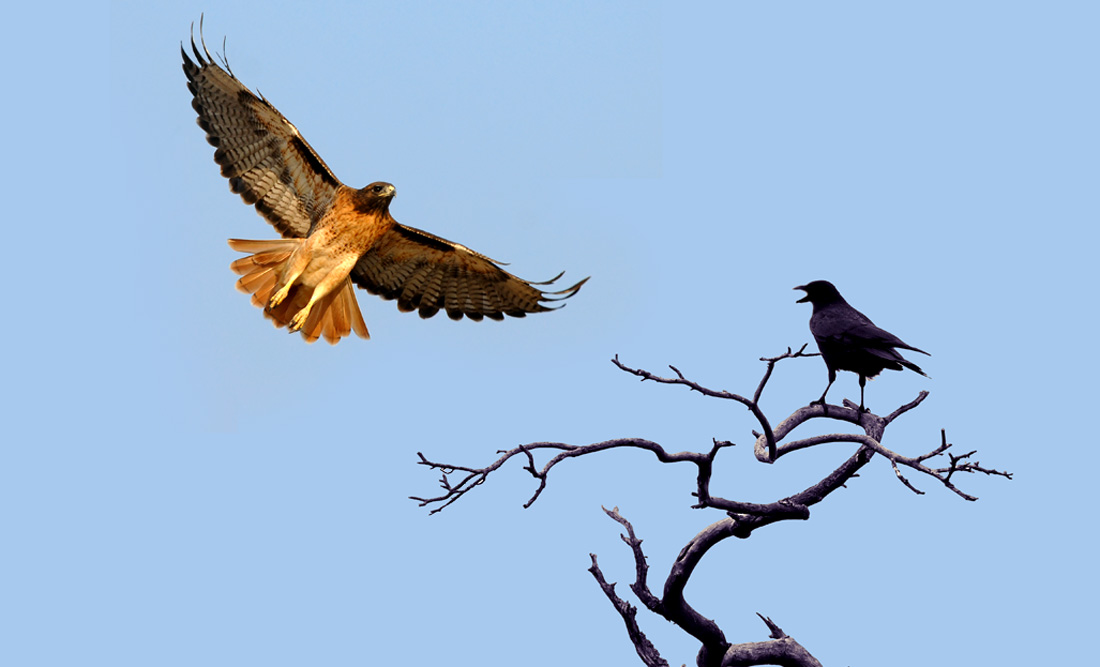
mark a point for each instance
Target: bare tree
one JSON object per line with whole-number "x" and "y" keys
{"x": 742, "y": 518}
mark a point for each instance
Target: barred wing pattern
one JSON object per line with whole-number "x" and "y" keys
{"x": 427, "y": 273}
{"x": 272, "y": 167}
{"x": 266, "y": 160}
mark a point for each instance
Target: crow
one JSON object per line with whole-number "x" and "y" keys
{"x": 849, "y": 340}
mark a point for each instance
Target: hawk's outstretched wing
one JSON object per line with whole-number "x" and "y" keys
{"x": 427, "y": 273}
{"x": 305, "y": 285}
{"x": 266, "y": 161}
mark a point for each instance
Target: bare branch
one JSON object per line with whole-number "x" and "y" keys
{"x": 704, "y": 462}
{"x": 672, "y": 605}
{"x": 694, "y": 386}
{"x": 776, "y": 631}
{"x": 641, "y": 567}
{"x": 743, "y": 518}
{"x": 645, "y": 648}
{"x": 957, "y": 463}
{"x": 476, "y": 476}
{"x": 771, "y": 361}
{"x": 850, "y": 413}
{"x": 874, "y": 427}
{"x": 784, "y": 651}
{"x": 767, "y": 449}
{"x": 907, "y": 407}
{"x": 716, "y": 650}
{"x": 904, "y": 481}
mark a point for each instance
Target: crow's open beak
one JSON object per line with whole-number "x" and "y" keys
{"x": 805, "y": 298}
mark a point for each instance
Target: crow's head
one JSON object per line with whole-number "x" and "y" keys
{"x": 819, "y": 293}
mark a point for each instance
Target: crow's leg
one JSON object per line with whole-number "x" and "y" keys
{"x": 832, "y": 379}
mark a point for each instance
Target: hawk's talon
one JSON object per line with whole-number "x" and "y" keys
{"x": 278, "y": 297}
{"x": 335, "y": 236}
{"x": 299, "y": 320}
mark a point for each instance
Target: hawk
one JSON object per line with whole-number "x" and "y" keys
{"x": 849, "y": 340}
{"x": 335, "y": 236}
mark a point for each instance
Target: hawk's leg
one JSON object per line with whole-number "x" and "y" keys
{"x": 295, "y": 266}
{"x": 332, "y": 280}
{"x": 300, "y": 317}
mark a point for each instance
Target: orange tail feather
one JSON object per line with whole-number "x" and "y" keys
{"x": 333, "y": 318}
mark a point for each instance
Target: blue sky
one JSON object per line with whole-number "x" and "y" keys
{"x": 183, "y": 484}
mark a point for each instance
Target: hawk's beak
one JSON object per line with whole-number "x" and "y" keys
{"x": 805, "y": 298}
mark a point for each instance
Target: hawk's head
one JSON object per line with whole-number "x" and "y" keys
{"x": 375, "y": 198}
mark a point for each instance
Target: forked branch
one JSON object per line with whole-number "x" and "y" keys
{"x": 453, "y": 490}
{"x": 645, "y": 648}
{"x": 742, "y": 518}
{"x": 752, "y": 404}
{"x": 716, "y": 650}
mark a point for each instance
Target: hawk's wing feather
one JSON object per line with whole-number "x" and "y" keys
{"x": 427, "y": 273}
{"x": 266, "y": 160}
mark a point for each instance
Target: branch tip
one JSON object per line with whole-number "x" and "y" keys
{"x": 776, "y": 631}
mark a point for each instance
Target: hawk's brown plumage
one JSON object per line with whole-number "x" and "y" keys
{"x": 335, "y": 235}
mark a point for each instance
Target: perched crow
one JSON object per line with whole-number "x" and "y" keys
{"x": 849, "y": 341}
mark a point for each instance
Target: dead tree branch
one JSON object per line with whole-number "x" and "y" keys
{"x": 752, "y": 404}
{"x": 781, "y": 650}
{"x": 645, "y": 648}
{"x": 742, "y": 518}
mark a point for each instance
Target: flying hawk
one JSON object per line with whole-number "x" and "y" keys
{"x": 335, "y": 235}
{"x": 849, "y": 340}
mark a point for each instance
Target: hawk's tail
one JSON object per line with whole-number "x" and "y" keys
{"x": 333, "y": 317}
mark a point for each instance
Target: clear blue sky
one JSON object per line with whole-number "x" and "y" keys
{"x": 182, "y": 484}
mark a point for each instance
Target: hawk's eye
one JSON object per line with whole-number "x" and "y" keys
{"x": 377, "y": 189}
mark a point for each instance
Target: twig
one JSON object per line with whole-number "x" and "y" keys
{"x": 771, "y": 361}
{"x": 645, "y": 648}
{"x": 695, "y": 386}
{"x": 767, "y": 449}
{"x": 776, "y": 631}
{"x": 476, "y": 476}
{"x": 742, "y": 519}
{"x": 641, "y": 567}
